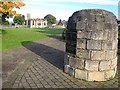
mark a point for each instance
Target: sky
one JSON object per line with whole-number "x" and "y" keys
{"x": 63, "y": 9}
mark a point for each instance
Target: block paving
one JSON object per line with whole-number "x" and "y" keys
{"x": 48, "y": 72}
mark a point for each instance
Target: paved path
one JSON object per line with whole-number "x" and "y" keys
{"x": 44, "y": 69}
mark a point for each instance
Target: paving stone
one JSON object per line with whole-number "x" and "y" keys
{"x": 63, "y": 80}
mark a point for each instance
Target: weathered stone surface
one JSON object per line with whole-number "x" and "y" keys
{"x": 76, "y": 62}
{"x": 115, "y": 44}
{"x": 96, "y": 76}
{"x": 90, "y": 26}
{"x": 80, "y": 25}
{"x": 91, "y": 65}
{"x": 84, "y": 54}
{"x": 80, "y": 74}
{"x": 98, "y": 55}
{"x": 79, "y": 63}
{"x": 110, "y": 35}
{"x": 72, "y": 61}
{"x": 107, "y": 45}
{"x": 84, "y": 34}
{"x": 100, "y": 18}
{"x": 110, "y": 74}
{"x": 110, "y": 54}
{"x": 94, "y": 44}
{"x": 114, "y": 63}
{"x": 71, "y": 47}
{"x": 104, "y": 65}
{"x": 108, "y": 26}
{"x": 99, "y": 26}
{"x": 81, "y": 43}
{"x": 97, "y": 35}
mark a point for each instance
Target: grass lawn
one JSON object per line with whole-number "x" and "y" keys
{"x": 13, "y": 37}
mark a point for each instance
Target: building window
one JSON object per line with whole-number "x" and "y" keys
{"x": 33, "y": 22}
{"x": 44, "y": 24}
{"x": 39, "y": 24}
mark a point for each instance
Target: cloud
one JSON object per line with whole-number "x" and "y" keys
{"x": 62, "y": 9}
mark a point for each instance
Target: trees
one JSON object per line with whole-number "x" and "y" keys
{"x": 50, "y": 19}
{"x": 19, "y": 19}
{"x": 6, "y": 9}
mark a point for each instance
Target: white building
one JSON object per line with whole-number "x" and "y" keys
{"x": 37, "y": 23}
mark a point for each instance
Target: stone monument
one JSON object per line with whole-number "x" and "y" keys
{"x": 91, "y": 45}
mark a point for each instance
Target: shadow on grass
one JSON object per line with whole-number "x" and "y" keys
{"x": 52, "y": 32}
{"x": 52, "y": 55}
{"x": 2, "y": 31}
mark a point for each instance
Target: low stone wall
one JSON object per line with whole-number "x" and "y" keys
{"x": 91, "y": 45}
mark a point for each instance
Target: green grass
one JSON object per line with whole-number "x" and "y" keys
{"x": 13, "y": 37}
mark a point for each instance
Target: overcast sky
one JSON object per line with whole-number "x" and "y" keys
{"x": 63, "y": 9}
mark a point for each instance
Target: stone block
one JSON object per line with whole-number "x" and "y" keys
{"x": 114, "y": 63}
{"x": 107, "y": 45}
{"x": 80, "y": 25}
{"x": 110, "y": 54}
{"x": 87, "y": 16}
{"x": 104, "y": 65}
{"x": 115, "y": 26}
{"x": 84, "y": 54}
{"x": 115, "y": 35}
{"x": 71, "y": 47}
{"x": 79, "y": 63}
{"x": 81, "y": 43}
{"x": 100, "y": 18}
{"x": 80, "y": 74}
{"x": 90, "y": 26}
{"x": 97, "y": 35}
{"x": 110, "y": 74}
{"x": 99, "y": 26}
{"x": 94, "y": 44}
{"x": 72, "y": 61}
{"x": 110, "y": 36}
{"x": 98, "y": 55}
{"x": 109, "y": 19}
{"x": 96, "y": 76}
{"x": 76, "y": 62}
{"x": 84, "y": 34}
{"x": 105, "y": 34}
{"x": 91, "y": 65}
{"x": 115, "y": 44}
{"x": 69, "y": 70}
{"x": 108, "y": 26}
